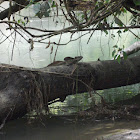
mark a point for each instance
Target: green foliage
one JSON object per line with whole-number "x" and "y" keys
{"x": 124, "y": 55}
{"x": 114, "y": 52}
{"x": 39, "y": 14}
{"x": 103, "y": 25}
{"x": 119, "y": 33}
{"x": 118, "y": 22}
{"x": 136, "y": 2}
{"x": 118, "y": 53}
{"x": 44, "y": 10}
{"x": 123, "y": 10}
{"x": 125, "y": 30}
{"x": 106, "y": 31}
{"x": 118, "y": 58}
{"x": 112, "y": 36}
{"x": 22, "y": 22}
{"x": 107, "y": 1}
{"x": 53, "y": 4}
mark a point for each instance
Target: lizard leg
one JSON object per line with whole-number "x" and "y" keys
{"x": 75, "y": 66}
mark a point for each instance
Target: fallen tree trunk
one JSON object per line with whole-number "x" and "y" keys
{"x": 22, "y": 89}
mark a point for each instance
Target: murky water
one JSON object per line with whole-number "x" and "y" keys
{"x": 59, "y": 129}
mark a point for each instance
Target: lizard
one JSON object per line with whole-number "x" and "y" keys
{"x": 67, "y": 61}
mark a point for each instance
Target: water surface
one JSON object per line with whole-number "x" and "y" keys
{"x": 60, "y": 129}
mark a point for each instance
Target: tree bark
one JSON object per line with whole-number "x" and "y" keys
{"x": 22, "y": 88}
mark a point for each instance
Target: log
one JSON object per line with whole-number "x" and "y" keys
{"x": 23, "y": 90}
{"x": 131, "y": 50}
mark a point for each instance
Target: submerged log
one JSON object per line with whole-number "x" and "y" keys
{"x": 22, "y": 89}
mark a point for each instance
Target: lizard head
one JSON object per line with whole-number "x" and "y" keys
{"x": 78, "y": 58}
{"x": 68, "y": 58}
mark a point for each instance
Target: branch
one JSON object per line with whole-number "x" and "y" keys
{"x": 130, "y": 50}
{"x": 4, "y": 14}
{"x": 88, "y": 29}
{"x": 133, "y": 48}
{"x": 19, "y": 5}
{"x": 35, "y": 88}
{"x": 96, "y": 16}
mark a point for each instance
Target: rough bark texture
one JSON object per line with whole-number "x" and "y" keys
{"x": 22, "y": 88}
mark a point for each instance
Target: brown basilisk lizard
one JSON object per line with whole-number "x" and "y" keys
{"x": 67, "y": 61}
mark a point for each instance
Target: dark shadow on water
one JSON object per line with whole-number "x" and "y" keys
{"x": 58, "y": 128}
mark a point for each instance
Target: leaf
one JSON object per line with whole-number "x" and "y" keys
{"x": 39, "y": 14}
{"x": 105, "y": 31}
{"x": 23, "y": 23}
{"x": 115, "y": 46}
{"x": 119, "y": 59}
{"x": 124, "y": 55}
{"x": 112, "y": 36}
{"x": 118, "y": 21}
{"x": 107, "y": 1}
{"x": 120, "y": 49}
{"x": 119, "y": 33}
{"x": 45, "y": 9}
{"x": 45, "y": 6}
{"x": 115, "y": 57}
{"x": 19, "y": 20}
{"x": 123, "y": 10}
{"x": 46, "y": 14}
{"x": 125, "y": 30}
{"x": 83, "y": 16}
{"x": 136, "y": 2}
{"x": 113, "y": 53}
{"x": 53, "y": 4}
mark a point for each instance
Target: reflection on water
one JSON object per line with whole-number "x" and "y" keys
{"x": 59, "y": 129}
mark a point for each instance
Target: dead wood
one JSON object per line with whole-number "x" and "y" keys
{"x": 23, "y": 89}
